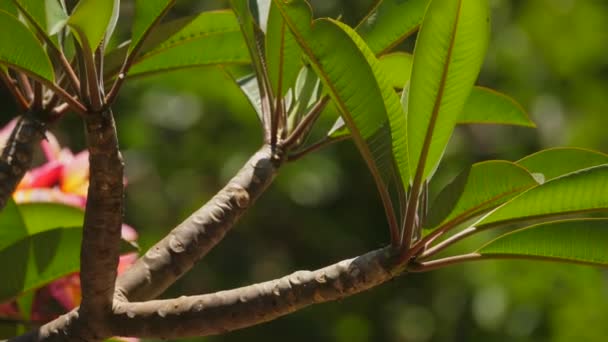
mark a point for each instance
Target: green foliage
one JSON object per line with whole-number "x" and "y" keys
{"x": 147, "y": 13}
{"x": 486, "y": 106}
{"x": 92, "y": 19}
{"x": 580, "y": 241}
{"x": 20, "y": 49}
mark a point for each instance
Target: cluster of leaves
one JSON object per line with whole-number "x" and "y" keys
{"x": 399, "y": 109}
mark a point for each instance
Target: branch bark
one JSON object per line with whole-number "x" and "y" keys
{"x": 174, "y": 255}
{"x": 16, "y": 157}
{"x": 103, "y": 219}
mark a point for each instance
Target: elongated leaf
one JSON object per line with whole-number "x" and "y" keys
{"x": 91, "y": 19}
{"x": 147, "y": 13}
{"x": 579, "y": 241}
{"x": 447, "y": 58}
{"x": 398, "y": 66}
{"x": 211, "y": 38}
{"x": 283, "y": 53}
{"x": 249, "y": 86}
{"x": 364, "y": 98}
{"x": 557, "y": 162}
{"x": 486, "y": 106}
{"x": 21, "y": 49}
{"x": 50, "y": 16}
{"x": 391, "y": 22}
{"x": 482, "y": 187}
{"x": 581, "y": 191}
{"x": 38, "y": 259}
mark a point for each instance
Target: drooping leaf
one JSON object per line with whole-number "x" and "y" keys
{"x": 283, "y": 53}
{"x": 211, "y": 38}
{"x": 486, "y": 106}
{"x": 21, "y": 49}
{"x": 482, "y": 187}
{"x": 555, "y": 162}
{"x": 578, "y": 241}
{"x": 364, "y": 98}
{"x": 447, "y": 58}
{"x": 38, "y": 259}
{"x": 91, "y": 19}
{"x": 390, "y": 23}
{"x": 582, "y": 191}
{"x": 147, "y": 14}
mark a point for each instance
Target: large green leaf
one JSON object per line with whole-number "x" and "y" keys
{"x": 12, "y": 227}
{"x": 283, "y": 53}
{"x": 364, "y": 98}
{"x": 482, "y": 187}
{"x": 39, "y": 217}
{"x": 38, "y": 259}
{"x": 91, "y": 19}
{"x": 391, "y": 22}
{"x": 147, "y": 14}
{"x": 50, "y": 16}
{"x": 21, "y": 49}
{"x": 209, "y": 39}
{"x": 398, "y": 67}
{"x": 557, "y": 162}
{"x": 579, "y": 241}
{"x": 487, "y": 106}
{"x": 581, "y": 191}
{"x": 447, "y": 58}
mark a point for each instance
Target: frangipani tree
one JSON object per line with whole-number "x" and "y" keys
{"x": 399, "y": 109}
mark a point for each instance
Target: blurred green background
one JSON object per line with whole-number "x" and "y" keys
{"x": 184, "y": 134}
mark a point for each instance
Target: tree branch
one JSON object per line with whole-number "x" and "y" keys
{"x": 174, "y": 255}
{"x": 225, "y": 311}
{"x": 103, "y": 219}
{"x": 16, "y": 157}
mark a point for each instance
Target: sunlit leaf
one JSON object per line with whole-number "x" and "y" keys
{"x": 482, "y": 187}
{"x": 486, "y": 106}
{"x": 557, "y": 162}
{"x": 91, "y": 19}
{"x": 578, "y": 241}
{"x": 283, "y": 53}
{"x": 38, "y": 259}
{"x": 398, "y": 67}
{"x": 448, "y": 55}
{"x": 21, "y": 49}
{"x": 390, "y": 23}
{"x": 211, "y": 38}
{"x": 39, "y": 217}
{"x": 147, "y": 13}
{"x": 577, "y": 192}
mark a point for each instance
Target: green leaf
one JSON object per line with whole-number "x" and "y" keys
{"x": 578, "y": 241}
{"x": 305, "y": 94}
{"x": 249, "y": 86}
{"x": 39, "y": 217}
{"x": 38, "y": 259}
{"x": 398, "y": 67}
{"x": 12, "y": 227}
{"x": 91, "y": 19}
{"x": 50, "y": 17}
{"x": 556, "y": 162}
{"x": 147, "y": 14}
{"x": 211, "y": 38}
{"x": 282, "y": 52}
{"x": 486, "y": 106}
{"x": 447, "y": 58}
{"x": 20, "y": 49}
{"x": 480, "y": 188}
{"x": 577, "y": 192}
{"x": 9, "y": 7}
{"x": 390, "y": 23}
{"x": 364, "y": 98}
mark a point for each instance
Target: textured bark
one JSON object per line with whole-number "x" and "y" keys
{"x": 103, "y": 220}
{"x": 174, "y": 255}
{"x": 225, "y": 311}
{"x": 16, "y": 157}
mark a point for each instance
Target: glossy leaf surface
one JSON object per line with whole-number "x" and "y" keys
{"x": 555, "y": 162}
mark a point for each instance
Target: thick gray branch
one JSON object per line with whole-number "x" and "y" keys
{"x": 225, "y": 311}
{"x": 174, "y": 255}
{"x": 16, "y": 157}
{"x": 102, "y": 221}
